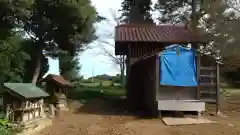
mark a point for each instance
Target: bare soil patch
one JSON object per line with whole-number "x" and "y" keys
{"x": 103, "y": 117}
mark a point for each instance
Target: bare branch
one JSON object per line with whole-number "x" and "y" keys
{"x": 30, "y": 35}
{"x": 234, "y": 4}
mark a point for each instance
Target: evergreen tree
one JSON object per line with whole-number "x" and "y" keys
{"x": 136, "y": 11}
{"x": 57, "y": 26}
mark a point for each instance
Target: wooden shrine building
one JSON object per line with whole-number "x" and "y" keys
{"x": 23, "y": 101}
{"x": 58, "y": 88}
{"x": 143, "y": 45}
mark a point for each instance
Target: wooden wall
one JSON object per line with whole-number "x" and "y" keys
{"x": 148, "y": 82}
{"x": 143, "y": 85}
{"x": 141, "y": 81}
{"x": 207, "y": 82}
{"x": 175, "y": 92}
{"x": 208, "y": 79}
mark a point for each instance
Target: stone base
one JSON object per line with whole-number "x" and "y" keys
{"x": 33, "y": 127}
{"x": 62, "y": 107}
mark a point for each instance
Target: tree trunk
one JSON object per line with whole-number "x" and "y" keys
{"x": 37, "y": 67}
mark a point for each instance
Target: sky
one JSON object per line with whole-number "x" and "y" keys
{"x": 92, "y": 62}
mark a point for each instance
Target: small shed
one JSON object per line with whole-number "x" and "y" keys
{"x": 58, "y": 88}
{"x": 148, "y": 87}
{"x": 23, "y": 101}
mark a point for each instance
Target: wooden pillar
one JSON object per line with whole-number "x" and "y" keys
{"x": 8, "y": 109}
{"x": 127, "y": 86}
{"x": 127, "y": 69}
{"x": 129, "y": 80}
{"x": 22, "y": 112}
{"x": 41, "y": 113}
{"x": 198, "y": 58}
{"x": 194, "y": 24}
{"x": 28, "y": 110}
{"x": 130, "y": 89}
{"x": 218, "y": 86}
{"x": 157, "y": 83}
{"x": 52, "y": 110}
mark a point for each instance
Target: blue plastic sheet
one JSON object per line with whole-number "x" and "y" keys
{"x": 178, "y": 67}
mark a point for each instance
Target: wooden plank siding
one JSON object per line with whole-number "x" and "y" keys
{"x": 141, "y": 76}
{"x": 143, "y": 80}
{"x": 208, "y": 80}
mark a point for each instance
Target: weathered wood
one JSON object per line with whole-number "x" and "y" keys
{"x": 208, "y": 68}
{"x": 207, "y": 76}
{"x": 157, "y": 81}
{"x": 8, "y": 111}
{"x": 218, "y": 88}
{"x": 207, "y": 84}
{"x": 52, "y": 110}
{"x": 207, "y": 100}
{"x": 198, "y": 76}
{"x": 208, "y": 92}
{"x": 181, "y": 105}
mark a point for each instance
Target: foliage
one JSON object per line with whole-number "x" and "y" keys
{"x": 80, "y": 16}
{"x": 5, "y": 129}
{"x": 10, "y": 13}
{"x": 136, "y": 11}
{"x": 71, "y": 67}
{"x": 13, "y": 59}
{"x": 46, "y": 26}
{"x": 3, "y": 122}
{"x": 86, "y": 94}
{"x": 216, "y": 22}
{"x": 30, "y": 48}
{"x": 44, "y": 22}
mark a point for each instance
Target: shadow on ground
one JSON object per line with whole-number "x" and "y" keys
{"x": 106, "y": 102}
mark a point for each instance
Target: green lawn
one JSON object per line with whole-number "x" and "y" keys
{"x": 85, "y": 94}
{"x": 99, "y": 83}
{"x": 230, "y": 92}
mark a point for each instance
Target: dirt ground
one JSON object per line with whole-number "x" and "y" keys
{"x": 98, "y": 117}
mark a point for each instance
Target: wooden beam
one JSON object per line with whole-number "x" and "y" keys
{"x": 218, "y": 87}
{"x": 157, "y": 79}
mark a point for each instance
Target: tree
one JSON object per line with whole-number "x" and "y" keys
{"x": 71, "y": 67}
{"x": 106, "y": 48}
{"x": 46, "y": 26}
{"x": 135, "y": 11}
{"x": 172, "y": 11}
{"x": 80, "y": 17}
{"x": 30, "y": 48}
{"x": 10, "y": 13}
{"x": 119, "y": 60}
{"x": 13, "y": 59}
{"x": 216, "y": 21}
{"x": 12, "y": 55}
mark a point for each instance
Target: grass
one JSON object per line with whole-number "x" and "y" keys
{"x": 87, "y": 93}
{"x": 230, "y": 91}
{"x": 98, "y": 84}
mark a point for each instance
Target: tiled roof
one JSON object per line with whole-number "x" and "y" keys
{"x": 59, "y": 79}
{"x": 26, "y": 90}
{"x": 167, "y": 33}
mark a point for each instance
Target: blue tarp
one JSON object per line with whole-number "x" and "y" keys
{"x": 178, "y": 66}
